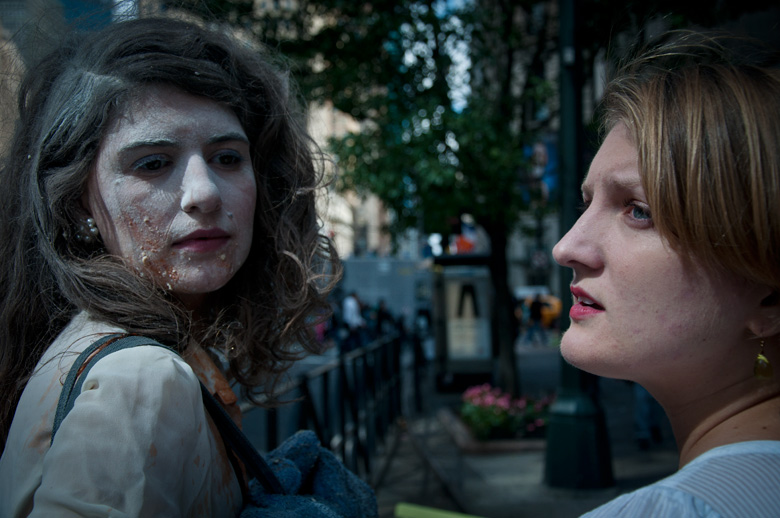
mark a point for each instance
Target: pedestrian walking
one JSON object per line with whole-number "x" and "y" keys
{"x": 536, "y": 333}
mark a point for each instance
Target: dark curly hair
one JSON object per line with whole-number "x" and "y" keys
{"x": 262, "y": 319}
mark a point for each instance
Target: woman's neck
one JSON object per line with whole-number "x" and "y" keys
{"x": 746, "y": 412}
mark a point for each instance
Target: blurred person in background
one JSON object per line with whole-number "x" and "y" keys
{"x": 352, "y": 316}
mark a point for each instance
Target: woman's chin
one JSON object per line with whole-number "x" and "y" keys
{"x": 570, "y": 347}
{"x": 581, "y": 355}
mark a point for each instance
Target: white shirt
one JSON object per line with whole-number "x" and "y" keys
{"x": 137, "y": 441}
{"x": 740, "y": 480}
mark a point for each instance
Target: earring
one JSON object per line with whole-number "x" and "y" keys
{"x": 87, "y": 231}
{"x": 762, "y": 369}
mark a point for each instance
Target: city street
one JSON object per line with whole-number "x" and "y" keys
{"x": 428, "y": 469}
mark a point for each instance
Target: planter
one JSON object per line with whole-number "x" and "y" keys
{"x": 466, "y": 442}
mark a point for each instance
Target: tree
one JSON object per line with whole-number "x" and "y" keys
{"x": 438, "y": 143}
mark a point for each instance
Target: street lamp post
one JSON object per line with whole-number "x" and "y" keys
{"x": 578, "y": 454}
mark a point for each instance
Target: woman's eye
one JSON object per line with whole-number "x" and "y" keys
{"x": 151, "y": 163}
{"x": 228, "y": 158}
{"x": 638, "y": 211}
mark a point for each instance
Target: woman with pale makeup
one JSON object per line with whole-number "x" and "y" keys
{"x": 160, "y": 183}
{"x": 676, "y": 262}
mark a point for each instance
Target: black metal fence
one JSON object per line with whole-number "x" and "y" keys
{"x": 352, "y": 403}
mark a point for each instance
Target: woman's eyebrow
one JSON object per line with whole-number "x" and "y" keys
{"x": 137, "y": 144}
{"x": 622, "y": 182}
{"x": 164, "y": 142}
{"x": 229, "y": 137}
{"x": 618, "y": 179}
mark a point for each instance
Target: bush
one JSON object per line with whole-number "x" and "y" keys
{"x": 492, "y": 414}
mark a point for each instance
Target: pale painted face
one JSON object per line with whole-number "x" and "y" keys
{"x": 173, "y": 191}
{"x": 639, "y": 312}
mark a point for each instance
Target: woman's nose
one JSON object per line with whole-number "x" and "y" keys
{"x": 562, "y": 249}
{"x": 579, "y": 246}
{"x": 200, "y": 191}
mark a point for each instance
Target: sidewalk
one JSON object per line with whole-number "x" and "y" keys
{"x": 429, "y": 469}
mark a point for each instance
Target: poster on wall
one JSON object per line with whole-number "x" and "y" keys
{"x": 468, "y": 313}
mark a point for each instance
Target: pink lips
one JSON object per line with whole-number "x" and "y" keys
{"x": 584, "y": 305}
{"x": 206, "y": 240}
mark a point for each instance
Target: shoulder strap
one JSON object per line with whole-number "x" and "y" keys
{"x": 85, "y": 361}
{"x": 232, "y": 436}
{"x": 236, "y": 441}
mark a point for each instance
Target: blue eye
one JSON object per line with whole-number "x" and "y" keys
{"x": 638, "y": 211}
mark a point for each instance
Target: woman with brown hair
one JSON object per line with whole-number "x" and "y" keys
{"x": 160, "y": 183}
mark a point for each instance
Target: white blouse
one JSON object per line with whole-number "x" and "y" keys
{"x": 137, "y": 442}
{"x": 739, "y": 480}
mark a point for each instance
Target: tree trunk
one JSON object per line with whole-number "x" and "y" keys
{"x": 503, "y": 343}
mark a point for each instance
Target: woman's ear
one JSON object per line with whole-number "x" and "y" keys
{"x": 766, "y": 320}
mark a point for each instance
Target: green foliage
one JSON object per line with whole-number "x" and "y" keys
{"x": 436, "y": 164}
{"x": 425, "y": 152}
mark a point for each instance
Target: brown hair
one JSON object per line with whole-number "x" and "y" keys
{"x": 263, "y": 316}
{"x": 704, "y": 112}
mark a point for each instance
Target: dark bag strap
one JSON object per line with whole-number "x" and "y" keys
{"x": 234, "y": 439}
{"x": 71, "y": 388}
{"x": 238, "y": 443}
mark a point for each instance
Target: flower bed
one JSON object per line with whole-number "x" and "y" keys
{"x": 492, "y": 414}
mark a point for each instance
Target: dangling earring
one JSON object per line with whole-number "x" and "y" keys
{"x": 762, "y": 369}
{"x": 87, "y": 231}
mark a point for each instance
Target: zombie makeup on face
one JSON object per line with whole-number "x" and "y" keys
{"x": 173, "y": 191}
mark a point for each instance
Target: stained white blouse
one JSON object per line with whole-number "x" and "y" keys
{"x": 738, "y": 480}
{"x": 137, "y": 443}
